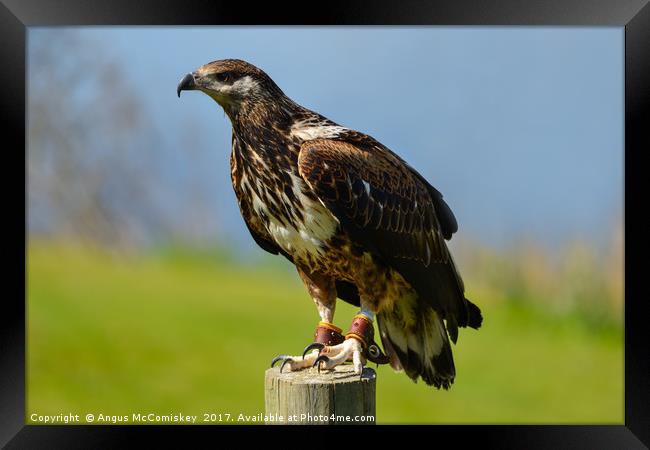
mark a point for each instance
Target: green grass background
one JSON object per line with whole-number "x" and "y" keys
{"x": 174, "y": 333}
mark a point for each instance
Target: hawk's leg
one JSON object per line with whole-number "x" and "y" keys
{"x": 322, "y": 290}
{"x": 355, "y": 346}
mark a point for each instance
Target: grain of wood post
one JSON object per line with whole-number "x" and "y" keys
{"x": 336, "y": 397}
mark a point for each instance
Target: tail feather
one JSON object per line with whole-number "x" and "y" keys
{"x": 475, "y": 318}
{"x": 421, "y": 349}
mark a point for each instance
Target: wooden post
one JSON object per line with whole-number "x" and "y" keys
{"x": 336, "y": 396}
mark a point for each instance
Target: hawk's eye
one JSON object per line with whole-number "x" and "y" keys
{"x": 223, "y": 77}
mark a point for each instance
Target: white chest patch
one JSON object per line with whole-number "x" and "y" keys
{"x": 297, "y": 237}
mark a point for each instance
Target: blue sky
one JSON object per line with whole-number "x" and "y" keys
{"x": 521, "y": 128}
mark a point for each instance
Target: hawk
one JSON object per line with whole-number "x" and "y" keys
{"x": 358, "y": 222}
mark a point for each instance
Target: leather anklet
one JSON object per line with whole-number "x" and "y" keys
{"x": 328, "y": 334}
{"x": 363, "y": 331}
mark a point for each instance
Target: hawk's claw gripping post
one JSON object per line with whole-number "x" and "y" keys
{"x": 278, "y": 358}
{"x": 320, "y": 359}
{"x": 315, "y": 345}
{"x": 286, "y": 360}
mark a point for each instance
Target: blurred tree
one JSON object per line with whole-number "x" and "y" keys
{"x": 82, "y": 124}
{"x": 97, "y": 168}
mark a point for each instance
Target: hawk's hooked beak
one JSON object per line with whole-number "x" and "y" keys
{"x": 186, "y": 84}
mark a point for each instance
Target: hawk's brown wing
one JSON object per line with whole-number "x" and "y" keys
{"x": 389, "y": 208}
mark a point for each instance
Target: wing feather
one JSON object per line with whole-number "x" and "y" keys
{"x": 394, "y": 212}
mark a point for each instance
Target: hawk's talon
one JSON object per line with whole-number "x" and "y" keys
{"x": 286, "y": 360}
{"x": 312, "y": 346}
{"x": 320, "y": 359}
{"x": 278, "y": 358}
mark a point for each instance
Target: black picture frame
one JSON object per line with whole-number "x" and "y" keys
{"x": 17, "y": 15}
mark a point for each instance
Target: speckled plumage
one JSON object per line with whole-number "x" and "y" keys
{"x": 349, "y": 212}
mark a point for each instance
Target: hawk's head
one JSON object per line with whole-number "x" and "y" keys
{"x": 231, "y": 83}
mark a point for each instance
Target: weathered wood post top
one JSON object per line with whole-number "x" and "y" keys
{"x": 337, "y": 396}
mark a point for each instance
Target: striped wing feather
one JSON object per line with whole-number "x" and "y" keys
{"x": 389, "y": 208}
